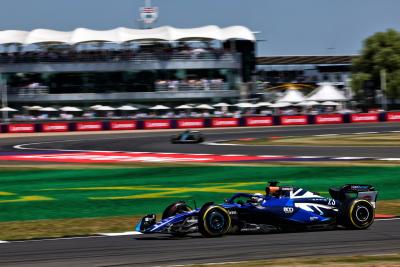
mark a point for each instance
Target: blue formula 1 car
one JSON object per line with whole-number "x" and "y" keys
{"x": 188, "y": 137}
{"x": 282, "y": 208}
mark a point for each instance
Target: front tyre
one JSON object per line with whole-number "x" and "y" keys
{"x": 175, "y": 208}
{"x": 357, "y": 214}
{"x": 214, "y": 221}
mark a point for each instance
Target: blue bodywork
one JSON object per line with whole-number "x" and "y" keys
{"x": 294, "y": 206}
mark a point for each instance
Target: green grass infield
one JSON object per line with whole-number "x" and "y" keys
{"x": 48, "y": 194}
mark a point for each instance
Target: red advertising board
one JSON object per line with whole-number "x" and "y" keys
{"x": 393, "y": 116}
{"x": 123, "y": 125}
{"x": 329, "y": 119}
{"x": 259, "y": 121}
{"x": 225, "y": 122}
{"x": 55, "y": 127}
{"x": 89, "y": 126}
{"x": 21, "y": 128}
{"x": 365, "y": 117}
{"x": 294, "y": 120}
{"x": 191, "y": 123}
{"x": 157, "y": 124}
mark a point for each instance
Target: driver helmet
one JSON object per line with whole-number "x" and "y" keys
{"x": 257, "y": 198}
{"x": 273, "y": 191}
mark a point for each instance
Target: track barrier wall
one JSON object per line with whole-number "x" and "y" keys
{"x": 189, "y": 123}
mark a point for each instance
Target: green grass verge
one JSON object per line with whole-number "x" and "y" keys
{"x": 66, "y": 194}
{"x": 386, "y": 139}
{"x": 382, "y": 260}
{"x": 50, "y": 202}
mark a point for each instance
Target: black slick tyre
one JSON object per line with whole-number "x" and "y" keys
{"x": 357, "y": 214}
{"x": 214, "y": 221}
{"x": 175, "y": 208}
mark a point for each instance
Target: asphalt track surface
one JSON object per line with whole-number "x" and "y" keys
{"x": 158, "y": 250}
{"x": 159, "y": 142}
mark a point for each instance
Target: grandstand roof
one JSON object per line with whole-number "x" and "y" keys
{"x": 294, "y": 60}
{"x": 121, "y": 35}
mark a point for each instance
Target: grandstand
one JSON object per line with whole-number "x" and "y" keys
{"x": 163, "y": 64}
{"x": 310, "y": 69}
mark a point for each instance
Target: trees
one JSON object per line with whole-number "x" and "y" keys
{"x": 380, "y": 51}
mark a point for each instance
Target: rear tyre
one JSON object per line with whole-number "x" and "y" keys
{"x": 357, "y": 214}
{"x": 214, "y": 221}
{"x": 175, "y": 208}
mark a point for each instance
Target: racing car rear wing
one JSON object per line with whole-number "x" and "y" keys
{"x": 351, "y": 191}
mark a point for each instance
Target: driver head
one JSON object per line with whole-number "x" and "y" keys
{"x": 257, "y": 198}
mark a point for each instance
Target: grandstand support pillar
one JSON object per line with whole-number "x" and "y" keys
{"x": 244, "y": 91}
{"x": 4, "y": 97}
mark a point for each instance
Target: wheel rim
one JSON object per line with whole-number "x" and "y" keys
{"x": 216, "y": 221}
{"x": 362, "y": 214}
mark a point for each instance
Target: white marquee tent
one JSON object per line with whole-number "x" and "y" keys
{"x": 292, "y": 96}
{"x": 326, "y": 92}
{"x": 122, "y": 35}
{"x": 280, "y": 105}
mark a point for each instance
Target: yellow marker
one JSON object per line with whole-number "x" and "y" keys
{"x": 7, "y": 194}
{"x": 171, "y": 192}
{"x": 27, "y": 199}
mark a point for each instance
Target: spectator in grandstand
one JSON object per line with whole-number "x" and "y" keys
{"x": 88, "y": 114}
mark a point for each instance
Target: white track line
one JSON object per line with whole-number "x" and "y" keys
{"x": 323, "y": 135}
{"x": 366, "y": 133}
{"x": 121, "y": 234}
{"x": 133, "y": 233}
{"x": 388, "y": 219}
{"x": 350, "y": 158}
{"x": 310, "y": 157}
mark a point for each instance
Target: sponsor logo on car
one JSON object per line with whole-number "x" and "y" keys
{"x": 288, "y": 210}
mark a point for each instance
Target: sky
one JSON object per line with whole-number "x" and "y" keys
{"x": 286, "y": 27}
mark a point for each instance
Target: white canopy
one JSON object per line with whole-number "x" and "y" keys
{"x": 220, "y": 105}
{"x": 35, "y": 108}
{"x": 280, "y": 105}
{"x": 187, "y": 106}
{"x": 46, "y": 36}
{"x": 326, "y": 92}
{"x": 104, "y": 108}
{"x": 263, "y": 104}
{"x": 308, "y": 103}
{"x": 48, "y": 109}
{"x": 70, "y": 109}
{"x": 245, "y": 105}
{"x": 127, "y": 108}
{"x": 159, "y": 107}
{"x": 121, "y": 35}
{"x": 13, "y": 37}
{"x": 330, "y": 103}
{"x": 8, "y": 109}
{"x": 292, "y": 96}
{"x": 204, "y": 106}
{"x": 96, "y": 106}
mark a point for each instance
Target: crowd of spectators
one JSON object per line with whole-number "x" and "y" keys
{"x": 142, "y": 53}
{"x": 191, "y": 84}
